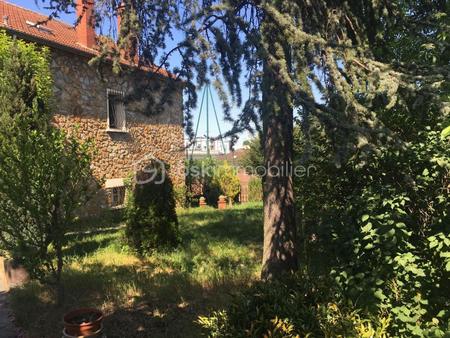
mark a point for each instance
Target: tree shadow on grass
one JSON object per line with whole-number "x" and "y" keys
{"x": 161, "y": 296}
{"x": 92, "y": 232}
{"x": 138, "y": 301}
{"x": 168, "y": 307}
{"x": 106, "y": 219}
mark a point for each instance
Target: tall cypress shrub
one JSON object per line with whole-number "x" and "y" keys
{"x": 151, "y": 219}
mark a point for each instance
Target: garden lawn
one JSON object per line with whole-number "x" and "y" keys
{"x": 160, "y": 295}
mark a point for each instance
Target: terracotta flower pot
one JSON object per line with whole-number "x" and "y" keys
{"x": 202, "y": 202}
{"x": 84, "y": 322}
{"x": 222, "y": 203}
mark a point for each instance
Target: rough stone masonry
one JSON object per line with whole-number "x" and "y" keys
{"x": 81, "y": 100}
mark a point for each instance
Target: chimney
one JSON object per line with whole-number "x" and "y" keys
{"x": 129, "y": 52}
{"x": 85, "y": 27}
{"x": 120, "y": 10}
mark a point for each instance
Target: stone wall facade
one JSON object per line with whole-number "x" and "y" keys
{"x": 81, "y": 105}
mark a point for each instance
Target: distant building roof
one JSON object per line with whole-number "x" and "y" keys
{"x": 233, "y": 157}
{"x": 199, "y": 146}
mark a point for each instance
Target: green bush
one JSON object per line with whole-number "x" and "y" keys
{"x": 214, "y": 178}
{"x": 226, "y": 179}
{"x": 295, "y": 307}
{"x": 255, "y": 193}
{"x": 151, "y": 219}
{"x": 26, "y": 84}
{"x": 181, "y": 196}
{"x": 381, "y": 227}
{"x": 200, "y": 174}
{"x": 45, "y": 174}
{"x": 253, "y": 158}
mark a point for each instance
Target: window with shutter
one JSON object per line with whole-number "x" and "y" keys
{"x": 116, "y": 110}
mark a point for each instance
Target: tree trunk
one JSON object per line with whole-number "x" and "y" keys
{"x": 280, "y": 254}
{"x": 59, "y": 267}
{"x": 58, "y": 236}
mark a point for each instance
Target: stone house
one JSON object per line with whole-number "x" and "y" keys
{"x": 95, "y": 104}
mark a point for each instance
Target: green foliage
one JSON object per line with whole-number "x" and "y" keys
{"x": 151, "y": 219}
{"x": 445, "y": 133}
{"x": 45, "y": 175}
{"x": 381, "y": 223}
{"x": 180, "y": 194}
{"x": 200, "y": 174}
{"x": 26, "y": 84}
{"x": 214, "y": 178}
{"x": 255, "y": 192}
{"x": 253, "y": 159}
{"x": 377, "y": 218}
{"x": 297, "y": 306}
{"x": 226, "y": 179}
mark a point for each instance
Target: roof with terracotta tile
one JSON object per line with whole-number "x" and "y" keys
{"x": 51, "y": 32}
{"x": 233, "y": 157}
{"x": 21, "y": 20}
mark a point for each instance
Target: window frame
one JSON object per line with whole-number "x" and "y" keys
{"x": 114, "y": 92}
{"x": 118, "y": 196}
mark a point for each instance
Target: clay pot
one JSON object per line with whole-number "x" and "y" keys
{"x": 222, "y": 203}
{"x": 84, "y": 322}
{"x": 202, "y": 202}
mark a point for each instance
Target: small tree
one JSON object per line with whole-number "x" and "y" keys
{"x": 44, "y": 175}
{"x": 151, "y": 216}
{"x": 226, "y": 179}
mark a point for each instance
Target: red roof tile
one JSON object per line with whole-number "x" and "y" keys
{"x": 54, "y": 33}
{"x": 21, "y": 20}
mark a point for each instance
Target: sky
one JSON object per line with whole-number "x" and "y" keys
{"x": 39, "y": 6}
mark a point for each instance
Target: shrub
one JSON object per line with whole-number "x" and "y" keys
{"x": 26, "y": 85}
{"x": 255, "y": 192}
{"x": 181, "y": 196}
{"x": 151, "y": 219}
{"x": 199, "y": 180}
{"x": 226, "y": 179}
{"x": 44, "y": 174}
{"x": 381, "y": 228}
{"x": 296, "y": 306}
{"x": 211, "y": 191}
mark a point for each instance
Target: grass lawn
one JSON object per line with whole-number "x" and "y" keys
{"x": 157, "y": 296}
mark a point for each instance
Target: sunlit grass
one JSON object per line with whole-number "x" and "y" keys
{"x": 158, "y": 295}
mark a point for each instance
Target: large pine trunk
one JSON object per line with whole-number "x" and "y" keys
{"x": 280, "y": 254}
